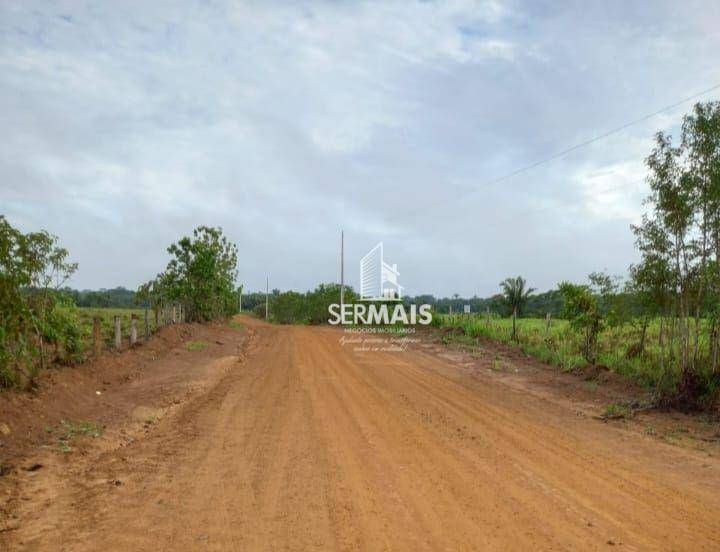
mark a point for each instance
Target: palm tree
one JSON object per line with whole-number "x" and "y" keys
{"x": 515, "y": 296}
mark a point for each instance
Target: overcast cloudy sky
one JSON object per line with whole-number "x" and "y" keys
{"x": 125, "y": 124}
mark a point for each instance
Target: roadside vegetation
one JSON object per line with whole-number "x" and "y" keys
{"x": 68, "y": 431}
{"x": 42, "y": 326}
{"x": 560, "y": 344}
{"x": 200, "y": 276}
{"x": 291, "y": 307}
{"x": 662, "y": 326}
{"x": 38, "y": 325}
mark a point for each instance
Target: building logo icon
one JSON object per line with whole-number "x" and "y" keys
{"x": 378, "y": 279}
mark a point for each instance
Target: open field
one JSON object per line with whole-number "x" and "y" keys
{"x": 85, "y": 316}
{"x": 559, "y": 346}
{"x": 280, "y": 437}
{"x": 107, "y": 316}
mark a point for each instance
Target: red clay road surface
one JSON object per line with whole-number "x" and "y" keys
{"x": 305, "y": 444}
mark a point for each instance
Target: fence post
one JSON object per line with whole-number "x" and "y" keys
{"x": 157, "y": 317}
{"x": 174, "y": 313}
{"x": 97, "y": 336}
{"x": 133, "y": 329}
{"x": 118, "y": 334}
{"x": 547, "y": 324}
{"x": 487, "y": 316}
{"x": 147, "y": 325}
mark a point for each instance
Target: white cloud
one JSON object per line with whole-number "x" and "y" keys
{"x": 613, "y": 191}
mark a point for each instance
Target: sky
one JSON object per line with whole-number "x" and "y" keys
{"x": 126, "y": 124}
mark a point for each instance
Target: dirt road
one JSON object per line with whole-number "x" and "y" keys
{"x": 307, "y": 444}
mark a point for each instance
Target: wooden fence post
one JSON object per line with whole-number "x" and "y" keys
{"x": 547, "y": 324}
{"x": 97, "y": 336}
{"x": 118, "y": 334}
{"x": 147, "y": 325}
{"x": 133, "y": 329}
{"x": 487, "y": 316}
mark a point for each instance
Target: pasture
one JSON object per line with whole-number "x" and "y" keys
{"x": 558, "y": 344}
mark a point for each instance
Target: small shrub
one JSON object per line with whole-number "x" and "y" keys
{"x": 259, "y": 310}
{"x": 615, "y": 411}
{"x": 68, "y": 431}
{"x": 195, "y": 345}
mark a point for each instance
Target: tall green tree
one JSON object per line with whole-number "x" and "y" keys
{"x": 679, "y": 240}
{"x": 581, "y": 309}
{"x": 201, "y": 276}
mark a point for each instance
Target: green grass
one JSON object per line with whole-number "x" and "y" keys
{"x": 85, "y": 318}
{"x": 195, "y": 345}
{"x": 234, "y": 324}
{"x": 616, "y": 411}
{"x": 559, "y": 346}
{"x": 107, "y": 322}
{"x": 72, "y": 341}
{"x": 68, "y": 431}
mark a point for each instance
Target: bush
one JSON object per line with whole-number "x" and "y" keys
{"x": 259, "y": 310}
{"x": 31, "y": 317}
{"x": 201, "y": 276}
{"x": 289, "y": 308}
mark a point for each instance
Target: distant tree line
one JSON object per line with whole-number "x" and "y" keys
{"x": 292, "y": 307}
{"x": 117, "y": 298}
{"x": 536, "y": 305}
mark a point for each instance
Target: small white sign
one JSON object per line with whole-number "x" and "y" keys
{"x": 466, "y": 309}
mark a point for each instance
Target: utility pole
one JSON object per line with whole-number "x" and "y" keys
{"x": 267, "y": 300}
{"x": 342, "y": 268}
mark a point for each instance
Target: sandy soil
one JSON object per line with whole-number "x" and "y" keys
{"x": 289, "y": 439}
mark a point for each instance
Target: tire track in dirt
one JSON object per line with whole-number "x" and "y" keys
{"x": 591, "y": 473}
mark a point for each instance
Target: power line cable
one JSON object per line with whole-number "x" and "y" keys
{"x": 520, "y": 217}
{"x": 570, "y": 149}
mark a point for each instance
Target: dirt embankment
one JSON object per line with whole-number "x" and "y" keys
{"x": 109, "y": 388}
{"x": 300, "y": 442}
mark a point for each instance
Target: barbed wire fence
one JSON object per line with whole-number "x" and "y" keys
{"x": 162, "y": 315}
